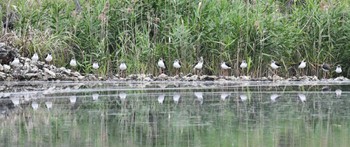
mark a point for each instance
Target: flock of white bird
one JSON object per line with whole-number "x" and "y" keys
{"x": 175, "y": 97}
{"x": 177, "y": 65}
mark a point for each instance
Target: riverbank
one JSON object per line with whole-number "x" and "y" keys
{"x": 29, "y": 70}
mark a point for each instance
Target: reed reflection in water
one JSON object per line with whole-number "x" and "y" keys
{"x": 238, "y": 116}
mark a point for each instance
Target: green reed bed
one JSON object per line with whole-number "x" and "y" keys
{"x": 140, "y": 32}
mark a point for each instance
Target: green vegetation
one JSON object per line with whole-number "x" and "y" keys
{"x": 140, "y": 32}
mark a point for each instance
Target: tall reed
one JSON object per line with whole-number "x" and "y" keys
{"x": 140, "y": 32}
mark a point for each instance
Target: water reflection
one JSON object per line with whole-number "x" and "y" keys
{"x": 224, "y": 95}
{"x": 273, "y": 97}
{"x": 176, "y": 98}
{"x": 338, "y": 93}
{"x": 48, "y": 105}
{"x": 302, "y": 116}
{"x": 302, "y": 97}
{"x": 122, "y": 96}
{"x": 15, "y": 100}
{"x": 161, "y": 98}
{"x": 73, "y": 99}
{"x": 35, "y": 105}
{"x": 243, "y": 97}
{"x": 199, "y": 96}
{"x": 95, "y": 96}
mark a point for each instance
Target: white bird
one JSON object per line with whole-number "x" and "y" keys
{"x": 243, "y": 64}
{"x": 302, "y": 64}
{"x": 302, "y": 97}
{"x": 95, "y": 96}
{"x": 95, "y": 65}
{"x": 48, "y": 58}
{"x": 176, "y": 97}
{"x": 73, "y": 99}
{"x": 35, "y": 57}
{"x": 177, "y": 64}
{"x": 224, "y": 66}
{"x": 273, "y": 97}
{"x": 199, "y": 65}
{"x": 161, "y": 98}
{"x": 15, "y": 62}
{"x": 35, "y": 105}
{"x": 338, "y": 93}
{"x": 243, "y": 97}
{"x": 73, "y": 62}
{"x": 338, "y": 69}
{"x": 275, "y": 65}
{"x": 161, "y": 65}
{"x": 122, "y": 96}
{"x": 224, "y": 95}
{"x": 48, "y": 104}
{"x": 122, "y": 69}
{"x": 122, "y": 66}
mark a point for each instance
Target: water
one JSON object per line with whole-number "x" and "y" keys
{"x": 175, "y": 114}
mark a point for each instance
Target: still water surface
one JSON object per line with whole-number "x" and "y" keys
{"x": 175, "y": 114}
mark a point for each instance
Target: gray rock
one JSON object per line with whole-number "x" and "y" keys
{"x": 51, "y": 73}
{"x": 2, "y": 76}
{"x": 31, "y": 76}
{"x": 81, "y": 77}
{"x": 76, "y": 74}
{"x": 208, "y": 78}
{"x": 7, "y": 68}
{"x": 1, "y": 67}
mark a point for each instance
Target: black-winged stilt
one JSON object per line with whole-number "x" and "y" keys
{"x": 338, "y": 70}
{"x": 301, "y": 66}
{"x": 325, "y": 67}
{"x": 177, "y": 65}
{"x": 35, "y": 57}
{"x": 161, "y": 65}
{"x": 199, "y": 66}
{"x": 122, "y": 69}
{"x": 243, "y": 65}
{"x": 224, "y": 68}
{"x": 48, "y": 58}
{"x": 274, "y": 65}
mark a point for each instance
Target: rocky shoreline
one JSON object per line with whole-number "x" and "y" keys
{"x": 28, "y": 70}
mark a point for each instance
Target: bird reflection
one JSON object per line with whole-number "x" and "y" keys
{"x": 73, "y": 99}
{"x": 48, "y": 104}
{"x": 95, "y": 96}
{"x": 161, "y": 98}
{"x": 302, "y": 97}
{"x": 273, "y": 97}
{"x": 199, "y": 96}
{"x": 176, "y": 98}
{"x": 326, "y": 88}
{"x": 338, "y": 93}
{"x": 122, "y": 96}
{"x": 35, "y": 105}
{"x": 224, "y": 95}
{"x": 163, "y": 85}
{"x": 243, "y": 97}
{"x": 15, "y": 101}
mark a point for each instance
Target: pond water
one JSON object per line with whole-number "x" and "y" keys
{"x": 175, "y": 114}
